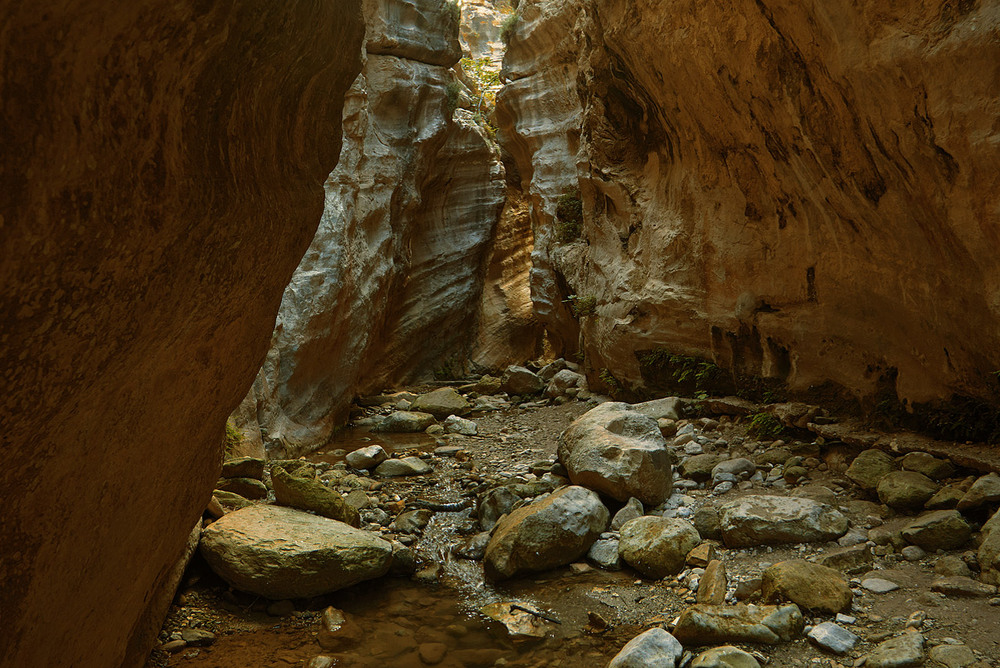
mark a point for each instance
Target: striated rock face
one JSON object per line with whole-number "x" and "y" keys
{"x": 390, "y": 286}
{"x": 160, "y": 178}
{"x": 807, "y": 193}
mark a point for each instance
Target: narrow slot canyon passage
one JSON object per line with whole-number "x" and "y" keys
{"x": 514, "y": 333}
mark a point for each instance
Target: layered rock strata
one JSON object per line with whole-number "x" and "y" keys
{"x": 389, "y": 289}
{"x": 804, "y": 193}
{"x": 160, "y": 178}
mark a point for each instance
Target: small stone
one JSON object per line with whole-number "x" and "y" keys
{"x": 951, "y": 565}
{"x": 809, "y": 585}
{"x": 337, "y": 631}
{"x": 952, "y": 656}
{"x": 367, "y": 457}
{"x": 913, "y": 553}
{"x": 853, "y": 559}
{"x": 654, "y": 648}
{"x": 726, "y": 656}
{"x": 916, "y": 619}
{"x": 604, "y": 554}
{"x": 413, "y": 521}
{"x": 832, "y": 638}
{"x": 747, "y": 589}
{"x": 701, "y": 555}
{"x": 458, "y": 425}
{"x": 713, "y": 584}
{"x": 878, "y": 585}
{"x": 841, "y": 618}
{"x": 173, "y": 646}
{"x": 630, "y": 511}
{"x": 432, "y": 653}
{"x": 406, "y": 466}
{"x": 197, "y": 637}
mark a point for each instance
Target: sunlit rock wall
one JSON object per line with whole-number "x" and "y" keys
{"x": 807, "y": 192}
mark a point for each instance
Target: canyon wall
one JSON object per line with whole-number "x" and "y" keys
{"x": 161, "y": 176}
{"x": 389, "y": 288}
{"x": 804, "y": 192}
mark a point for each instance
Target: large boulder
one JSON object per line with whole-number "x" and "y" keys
{"x": 441, "y": 403}
{"x": 619, "y": 453}
{"x": 519, "y": 380}
{"x": 808, "y": 585}
{"x": 704, "y": 624}
{"x": 869, "y": 467}
{"x": 654, "y": 648}
{"x": 906, "y": 490}
{"x": 282, "y": 553}
{"x": 989, "y": 550}
{"x": 405, "y": 422}
{"x": 726, "y": 656}
{"x": 984, "y": 490}
{"x": 311, "y": 494}
{"x": 657, "y": 546}
{"x": 772, "y": 520}
{"x": 938, "y": 530}
{"x": 554, "y": 531}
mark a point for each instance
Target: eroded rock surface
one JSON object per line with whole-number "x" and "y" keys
{"x": 792, "y": 196}
{"x": 159, "y": 181}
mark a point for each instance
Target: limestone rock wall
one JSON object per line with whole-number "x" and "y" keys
{"x": 161, "y": 176}
{"x": 388, "y": 290}
{"x": 804, "y": 192}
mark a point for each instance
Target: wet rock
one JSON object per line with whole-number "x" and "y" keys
{"x": 698, "y": 467}
{"x": 984, "y": 490}
{"x": 938, "y": 530}
{"x": 519, "y": 620}
{"x": 657, "y": 546}
{"x": 771, "y": 520}
{"x": 989, "y": 550}
{"x": 552, "y": 532}
{"x": 669, "y": 408}
{"x": 604, "y": 554}
{"x": 473, "y": 547}
{"x": 902, "y": 651}
{"x": 321, "y": 661}
{"x": 197, "y": 637}
{"x": 520, "y": 381}
{"x": 713, "y": 583}
{"x": 432, "y": 653}
{"x": 337, "y": 631}
{"x": 950, "y": 566}
{"x": 632, "y": 510}
{"x": 367, "y": 457}
{"x": 243, "y": 467}
{"x": 946, "y": 498}
{"x": 565, "y": 380}
{"x": 869, "y": 467}
{"x": 496, "y": 503}
{"x": 928, "y": 465}
{"x": 952, "y": 656}
{"x": 906, "y": 490}
{"x": 832, "y": 638}
{"x": 404, "y": 560}
{"x": 726, "y": 656}
{"x": 810, "y": 586}
{"x": 619, "y": 453}
{"x": 248, "y": 488}
{"x": 310, "y": 494}
{"x": 413, "y": 521}
{"x": 405, "y": 466}
{"x": 458, "y": 425}
{"x": 879, "y": 585}
{"x": 441, "y": 403}
{"x": 716, "y": 624}
{"x": 962, "y": 587}
{"x": 654, "y": 648}
{"x": 280, "y": 552}
{"x": 852, "y": 559}
{"x": 405, "y": 422}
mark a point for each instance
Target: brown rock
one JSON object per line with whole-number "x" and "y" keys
{"x": 853, "y": 559}
{"x": 809, "y": 585}
{"x": 713, "y": 583}
{"x": 337, "y": 631}
{"x": 700, "y": 556}
{"x": 147, "y": 159}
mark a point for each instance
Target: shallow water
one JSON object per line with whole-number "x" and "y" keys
{"x": 353, "y": 438}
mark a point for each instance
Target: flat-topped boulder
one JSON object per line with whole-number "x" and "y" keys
{"x": 283, "y": 553}
{"x": 773, "y": 520}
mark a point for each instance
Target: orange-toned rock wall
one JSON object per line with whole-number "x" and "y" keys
{"x": 161, "y": 175}
{"x": 807, "y": 192}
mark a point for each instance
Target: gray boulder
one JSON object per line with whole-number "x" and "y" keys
{"x": 938, "y": 530}
{"x": 726, "y": 656}
{"x": 657, "y": 546}
{"x": 668, "y": 407}
{"x": 565, "y": 380}
{"x": 459, "y": 425}
{"x": 283, "y": 553}
{"x": 906, "y": 490}
{"x": 366, "y": 458}
{"x": 604, "y": 554}
{"x": 632, "y": 510}
{"x": 405, "y": 422}
{"x": 403, "y": 467}
{"x": 654, "y": 648}
{"x": 833, "y": 638}
{"x": 518, "y": 380}
{"x": 716, "y": 624}
{"x": 441, "y": 403}
{"x": 772, "y": 520}
{"x": 555, "y": 531}
{"x": 619, "y": 453}
{"x": 985, "y": 490}
{"x": 869, "y": 467}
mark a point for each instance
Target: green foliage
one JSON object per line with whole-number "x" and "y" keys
{"x": 508, "y": 26}
{"x": 764, "y": 427}
{"x": 233, "y": 437}
{"x": 614, "y": 385}
{"x": 455, "y": 10}
{"x": 569, "y": 214}
{"x": 453, "y": 92}
{"x": 582, "y": 306}
{"x": 683, "y": 369}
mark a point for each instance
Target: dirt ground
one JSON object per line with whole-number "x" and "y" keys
{"x": 405, "y": 619}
